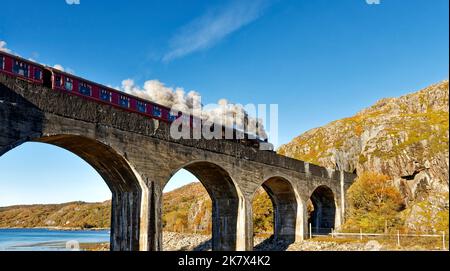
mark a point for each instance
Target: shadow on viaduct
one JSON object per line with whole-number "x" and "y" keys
{"x": 136, "y": 158}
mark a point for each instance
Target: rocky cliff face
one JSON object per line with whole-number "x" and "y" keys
{"x": 405, "y": 138}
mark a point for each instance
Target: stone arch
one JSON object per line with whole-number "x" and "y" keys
{"x": 228, "y": 208}
{"x": 323, "y": 218}
{"x": 118, "y": 174}
{"x": 286, "y": 206}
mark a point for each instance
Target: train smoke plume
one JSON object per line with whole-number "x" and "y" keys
{"x": 3, "y": 47}
{"x": 178, "y": 99}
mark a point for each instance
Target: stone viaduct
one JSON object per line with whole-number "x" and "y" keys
{"x": 136, "y": 158}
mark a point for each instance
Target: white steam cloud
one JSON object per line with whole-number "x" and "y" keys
{"x": 179, "y": 99}
{"x": 3, "y": 47}
{"x": 157, "y": 92}
{"x": 59, "y": 67}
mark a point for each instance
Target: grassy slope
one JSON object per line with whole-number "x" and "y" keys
{"x": 68, "y": 215}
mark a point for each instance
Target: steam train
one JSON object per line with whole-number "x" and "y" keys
{"x": 57, "y": 80}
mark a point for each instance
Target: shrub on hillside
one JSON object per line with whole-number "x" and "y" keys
{"x": 262, "y": 213}
{"x": 373, "y": 204}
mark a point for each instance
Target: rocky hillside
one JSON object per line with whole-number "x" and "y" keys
{"x": 188, "y": 210}
{"x": 406, "y": 138}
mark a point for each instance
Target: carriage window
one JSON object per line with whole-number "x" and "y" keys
{"x": 141, "y": 106}
{"x": 172, "y": 116}
{"x": 68, "y": 85}
{"x": 85, "y": 89}
{"x": 2, "y": 62}
{"x": 105, "y": 95}
{"x": 124, "y": 101}
{"x": 157, "y": 112}
{"x": 57, "y": 80}
{"x": 20, "y": 68}
{"x": 37, "y": 74}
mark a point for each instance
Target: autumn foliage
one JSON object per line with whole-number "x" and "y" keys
{"x": 373, "y": 204}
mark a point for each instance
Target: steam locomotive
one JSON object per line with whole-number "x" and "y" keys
{"x": 57, "y": 80}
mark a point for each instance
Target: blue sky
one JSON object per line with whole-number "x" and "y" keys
{"x": 318, "y": 60}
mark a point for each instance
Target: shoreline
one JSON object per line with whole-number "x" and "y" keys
{"x": 95, "y": 246}
{"x": 173, "y": 241}
{"x": 55, "y": 228}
